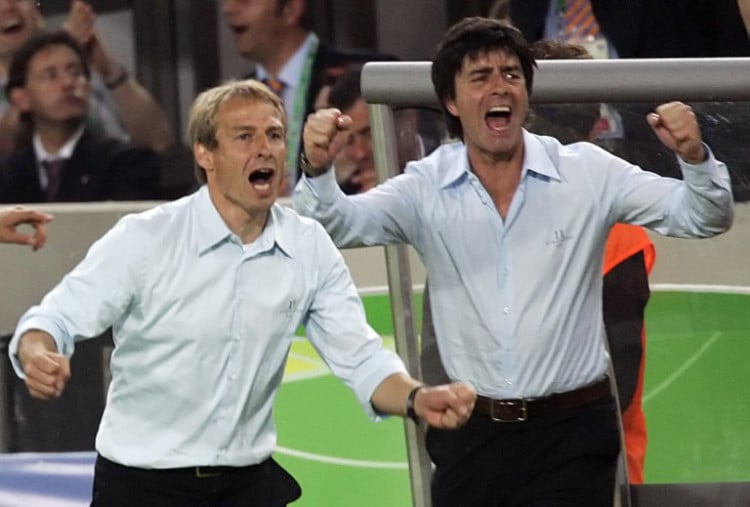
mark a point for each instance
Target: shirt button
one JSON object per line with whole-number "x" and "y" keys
{"x": 233, "y": 376}
{"x": 506, "y": 310}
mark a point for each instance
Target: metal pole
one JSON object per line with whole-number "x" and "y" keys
{"x": 406, "y": 84}
{"x": 400, "y": 288}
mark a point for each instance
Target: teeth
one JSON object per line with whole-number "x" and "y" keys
{"x": 9, "y": 24}
{"x": 500, "y": 109}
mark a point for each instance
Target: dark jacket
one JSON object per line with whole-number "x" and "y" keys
{"x": 654, "y": 28}
{"x": 100, "y": 169}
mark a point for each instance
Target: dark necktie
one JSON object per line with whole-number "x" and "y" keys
{"x": 276, "y": 85}
{"x": 54, "y": 169}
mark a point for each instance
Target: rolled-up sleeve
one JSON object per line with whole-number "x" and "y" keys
{"x": 699, "y": 205}
{"x": 87, "y": 300}
{"x": 336, "y": 325}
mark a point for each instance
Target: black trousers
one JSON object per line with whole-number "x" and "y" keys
{"x": 262, "y": 485}
{"x": 567, "y": 459}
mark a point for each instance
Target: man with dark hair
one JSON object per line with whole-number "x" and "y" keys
{"x": 290, "y": 58}
{"x": 66, "y": 160}
{"x": 205, "y": 295}
{"x": 511, "y": 227}
{"x": 119, "y": 105}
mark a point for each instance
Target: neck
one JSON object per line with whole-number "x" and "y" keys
{"x": 500, "y": 176}
{"x": 54, "y": 136}
{"x": 281, "y": 54}
{"x": 246, "y": 224}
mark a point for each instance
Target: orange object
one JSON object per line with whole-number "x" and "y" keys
{"x": 623, "y": 242}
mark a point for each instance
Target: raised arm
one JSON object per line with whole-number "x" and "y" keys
{"x": 676, "y": 127}
{"x": 325, "y": 134}
{"x": 144, "y": 119}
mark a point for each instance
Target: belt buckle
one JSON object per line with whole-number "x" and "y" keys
{"x": 203, "y": 475}
{"x": 520, "y": 403}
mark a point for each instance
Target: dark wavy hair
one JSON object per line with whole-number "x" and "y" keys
{"x": 19, "y": 66}
{"x": 471, "y": 37}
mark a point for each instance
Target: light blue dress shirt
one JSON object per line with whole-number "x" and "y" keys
{"x": 517, "y": 303}
{"x": 202, "y": 327}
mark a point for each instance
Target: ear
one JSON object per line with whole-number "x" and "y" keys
{"x": 204, "y": 157}
{"x": 19, "y": 98}
{"x": 293, "y": 11}
{"x": 450, "y": 105}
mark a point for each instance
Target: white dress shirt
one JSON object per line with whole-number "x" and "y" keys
{"x": 517, "y": 303}
{"x": 202, "y": 327}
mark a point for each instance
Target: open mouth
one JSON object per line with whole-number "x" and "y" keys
{"x": 261, "y": 179}
{"x": 498, "y": 117}
{"x": 238, "y": 29}
{"x": 11, "y": 27}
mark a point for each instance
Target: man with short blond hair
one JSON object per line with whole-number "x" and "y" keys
{"x": 205, "y": 295}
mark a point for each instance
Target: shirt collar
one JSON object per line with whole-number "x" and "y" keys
{"x": 291, "y": 72}
{"x": 65, "y": 152}
{"x": 279, "y": 231}
{"x": 536, "y": 159}
{"x": 212, "y": 231}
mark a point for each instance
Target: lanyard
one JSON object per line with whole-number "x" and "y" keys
{"x": 298, "y": 112}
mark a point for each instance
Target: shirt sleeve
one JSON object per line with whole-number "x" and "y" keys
{"x": 336, "y": 326}
{"x": 384, "y": 215}
{"x": 89, "y": 299}
{"x": 699, "y": 205}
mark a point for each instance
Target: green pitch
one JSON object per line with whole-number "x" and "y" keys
{"x": 696, "y": 402}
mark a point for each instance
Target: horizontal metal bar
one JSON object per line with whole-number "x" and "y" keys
{"x": 408, "y": 84}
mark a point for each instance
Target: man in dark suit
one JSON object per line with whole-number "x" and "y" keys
{"x": 650, "y": 29}
{"x": 49, "y": 82}
{"x": 278, "y": 36}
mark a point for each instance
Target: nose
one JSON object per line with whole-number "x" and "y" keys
{"x": 69, "y": 79}
{"x": 499, "y": 83}
{"x": 263, "y": 145}
{"x": 361, "y": 148}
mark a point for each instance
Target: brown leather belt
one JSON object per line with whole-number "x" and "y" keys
{"x": 523, "y": 409}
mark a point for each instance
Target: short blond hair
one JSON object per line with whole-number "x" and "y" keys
{"x": 202, "y": 123}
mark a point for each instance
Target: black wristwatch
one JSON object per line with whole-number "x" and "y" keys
{"x": 410, "y": 412}
{"x": 307, "y": 167}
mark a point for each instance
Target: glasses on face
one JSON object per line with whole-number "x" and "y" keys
{"x": 53, "y": 75}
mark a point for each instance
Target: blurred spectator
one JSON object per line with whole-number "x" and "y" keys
{"x": 277, "y": 35}
{"x": 67, "y": 160}
{"x": 355, "y": 167}
{"x": 745, "y": 13}
{"x": 120, "y": 106}
{"x": 645, "y": 28}
{"x": 11, "y": 218}
{"x": 500, "y": 9}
